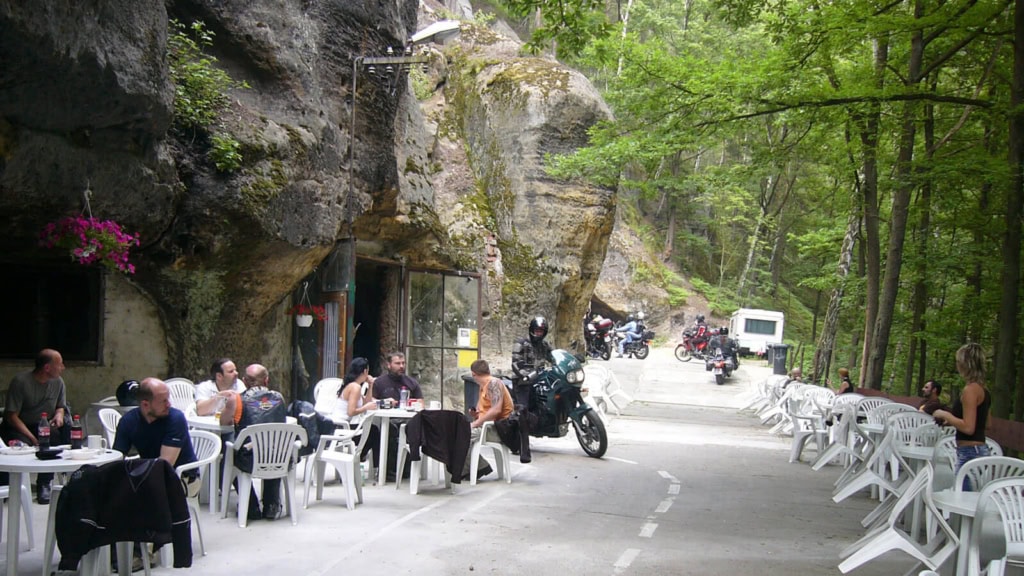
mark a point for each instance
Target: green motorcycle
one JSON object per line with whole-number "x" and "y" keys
{"x": 556, "y": 399}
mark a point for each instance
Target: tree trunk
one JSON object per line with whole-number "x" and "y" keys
{"x": 872, "y": 242}
{"x": 920, "y": 297}
{"x": 1009, "y": 329}
{"x": 827, "y": 342}
{"x": 898, "y": 219}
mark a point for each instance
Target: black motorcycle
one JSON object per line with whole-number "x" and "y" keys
{"x": 723, "y": 359}
{"x": 639, "y": 348}
{"x": 598, "y": 336}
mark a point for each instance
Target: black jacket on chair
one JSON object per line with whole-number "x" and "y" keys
{"x": 441, "y": 434}
{"x": 139, "y": 500}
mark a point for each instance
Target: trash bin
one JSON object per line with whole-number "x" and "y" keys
{"x": 777, "y": 358}
{"x": 470, "y": 391}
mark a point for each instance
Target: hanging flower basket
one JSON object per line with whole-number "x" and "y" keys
{"x": 91, "y": 241}
{"x": 305, "y": 314}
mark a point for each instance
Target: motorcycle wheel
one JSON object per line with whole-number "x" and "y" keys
{"x": 642, "y": 352}
{"x": 682, "y": 354}
{"x": 606, "y": 354}
{"x": 719, "y": 379}
{"x": 591, "y": 434}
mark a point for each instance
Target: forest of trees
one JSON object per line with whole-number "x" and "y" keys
{"x": 862, "y": 156}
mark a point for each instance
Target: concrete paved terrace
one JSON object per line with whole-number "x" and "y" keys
{"x": 688, "y": 486}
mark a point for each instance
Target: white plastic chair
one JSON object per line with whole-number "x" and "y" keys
{"x": 502, "y": 455}
{"x": 890, "y": 536}
{"x": 1007, "y": 497}
{"x": 183, "y": 393}
{"x": 982, "y": 471}
{"x": 603, "y": 388}
{"x": 109, "y": 418}
{"x": 26, "y": 507}
{"x": 274, "y": 455}
{"x": 206, "y": 446}
{"x": 341, "y": 452}
{"x": 325, "y": 395}
{"x": 416, "y": 470}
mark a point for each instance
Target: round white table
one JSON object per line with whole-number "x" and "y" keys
{"x": 965, "y": 505}
{"x": 19, "y": 466}
{"x": 385, "y": 416}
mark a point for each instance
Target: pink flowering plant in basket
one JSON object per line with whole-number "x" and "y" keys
{"x": 91, "y": 241}
{"x": 317, "y": 312}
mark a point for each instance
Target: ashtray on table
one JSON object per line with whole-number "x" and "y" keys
{"x": 49, "y": 453}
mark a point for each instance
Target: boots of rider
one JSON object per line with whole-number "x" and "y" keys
{"x": 525, "y": 421}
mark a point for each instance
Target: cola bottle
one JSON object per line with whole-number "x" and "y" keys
{"x": 44, "y": 432}
{"x": 77, "y": 433}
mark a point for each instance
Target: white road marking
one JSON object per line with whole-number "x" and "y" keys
{"x": 626, "y": 558}
{"x": 665, "y": 505}
{"x": 619, "y": 459}
{"x": 648, "y": 530}
{"x": 667, "y": 476}
{"x": 673, "y": 488}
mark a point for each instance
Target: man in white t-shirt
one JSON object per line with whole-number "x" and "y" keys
{"x": 223, "y": 386}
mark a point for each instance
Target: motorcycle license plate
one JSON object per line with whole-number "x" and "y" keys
{"x": 607, "y": 338}
{"x": 716, "y": 370}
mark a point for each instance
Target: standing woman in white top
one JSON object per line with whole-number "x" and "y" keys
{"x": 355, "y": 399}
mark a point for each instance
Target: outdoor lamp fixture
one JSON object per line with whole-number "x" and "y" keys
{"x": 391, "y": 64}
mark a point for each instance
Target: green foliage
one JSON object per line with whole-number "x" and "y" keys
{"x": 568, "y": 24}
{"x": 200, "y": 90}
{"x": 224, "y": 152}
{"x": 421, "y": 85}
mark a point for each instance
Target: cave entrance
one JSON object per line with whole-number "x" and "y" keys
{"x": 431, "y": 315}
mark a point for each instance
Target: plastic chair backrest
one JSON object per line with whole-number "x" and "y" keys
{"x": 821, "y": 398}
{"x": 904, "y": 424}
{"x": 183, "y": 393}
{"x": 994, "y": 449}
{"x": 1007, "y": 495}
{"x": 325, "y": 395}
{"x": 880, "y": 414}
{"x": 206, "y": 445}
{"x": 927, "y": 435}
{"x": 946, "y": 448}
{"x": 922, "y": 482}
{"x": 273, "y": 447}
{"x": 981, "y": 471}
{"x": 109, "y": 418}
{"x": 865, "y": 405}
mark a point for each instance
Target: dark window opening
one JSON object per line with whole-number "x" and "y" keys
{"x": 752, "y": 326}
{"x": 59, "y": 307}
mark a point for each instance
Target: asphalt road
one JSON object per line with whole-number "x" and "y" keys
{"x": 688, "y": 486}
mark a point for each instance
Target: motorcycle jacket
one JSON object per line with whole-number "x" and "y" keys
{"x": 528, "y": 357}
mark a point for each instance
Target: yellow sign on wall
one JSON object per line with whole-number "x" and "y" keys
{"x": 466, "y": 358}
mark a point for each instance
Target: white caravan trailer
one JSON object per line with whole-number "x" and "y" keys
{"x": 756, "y": 329}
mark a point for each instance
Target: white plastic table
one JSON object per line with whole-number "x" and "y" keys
{"x": 965, "y": 505}
{"x": 19, "y": 466}
{"x": 208, "y": 423}
{"x": 385, "y": 417}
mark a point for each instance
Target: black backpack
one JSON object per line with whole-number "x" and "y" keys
{"x": 314, "y": 423}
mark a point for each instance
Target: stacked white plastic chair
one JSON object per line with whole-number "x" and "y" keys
{"x": 1006, "y": 496}
{"x": 842, "y": 439}
{"x": 890, "y": 536}
{"x": 807, "y": 415}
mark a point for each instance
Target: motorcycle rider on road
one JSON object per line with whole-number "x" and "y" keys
{"x": 529, "y": 356}
{"x": 632, "y": 333}
{"x": 700, "y": 334}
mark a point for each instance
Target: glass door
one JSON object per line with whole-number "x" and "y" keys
{"x": 443, "y": 316}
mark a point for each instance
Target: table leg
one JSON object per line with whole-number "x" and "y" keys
{"x": 963, "y": 549}
{"x": 385, "y": 431}
{"x": 14, "y": 521}
{"x": 215, "y": 484}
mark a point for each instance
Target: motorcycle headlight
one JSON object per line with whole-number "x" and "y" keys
{"x": 576, "y": 377}
{"x": 571, "y": 377}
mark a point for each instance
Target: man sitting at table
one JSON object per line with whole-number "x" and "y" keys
{"x": 390, "y": 386}
{"x": 31, "y": 394}
{"x": 494, "y": 405}
{"x": 223, "y": 386}
{"x": 157, "y": 430}
{"x": 259, "y": 405}
{"x": 930, "y": 392}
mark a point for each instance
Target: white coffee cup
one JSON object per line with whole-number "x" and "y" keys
{"x": 435, "y": 404}
{"x": 96, "y": 442}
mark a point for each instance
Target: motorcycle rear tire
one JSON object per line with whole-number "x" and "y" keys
{"x": 642, "y": 352}
{"x": 591, "y": 434}
{"x": 719, "y": 379}
{"x": 683, "y": 354}
{"x": 607, "y": 354}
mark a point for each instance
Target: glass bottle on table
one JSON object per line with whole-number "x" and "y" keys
{"x": 77, "y": 432}
{"x": 43, "y": 434}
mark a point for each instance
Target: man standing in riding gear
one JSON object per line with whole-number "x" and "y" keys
{"x": 528, "y": 356}
{"x": 632, "y": 333}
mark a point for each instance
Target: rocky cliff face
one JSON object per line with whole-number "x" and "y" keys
{"x": 86, "y": 100}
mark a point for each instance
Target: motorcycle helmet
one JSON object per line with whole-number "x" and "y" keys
{"x": 127, "y": 393}
{"x": 700, "y": 318}
{"x": 629, "y": 318}
{"x": 538, "y": 329}
{"x": 639, "y": 315}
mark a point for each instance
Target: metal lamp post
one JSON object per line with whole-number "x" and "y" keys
{"x": 436, "y": 32}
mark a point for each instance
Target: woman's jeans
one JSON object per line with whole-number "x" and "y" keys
{"x": 965, "y": 454}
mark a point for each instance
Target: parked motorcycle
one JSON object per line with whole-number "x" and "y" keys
{"x": 723, "y": 360}
{"x": 639, "y": 348}
{"x": 598, "y": 336}
{"x": 688, "y": 349}
{"x": 556, "y": 399}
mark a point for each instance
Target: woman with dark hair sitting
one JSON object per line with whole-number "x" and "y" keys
{"x": 355, "y": 399}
